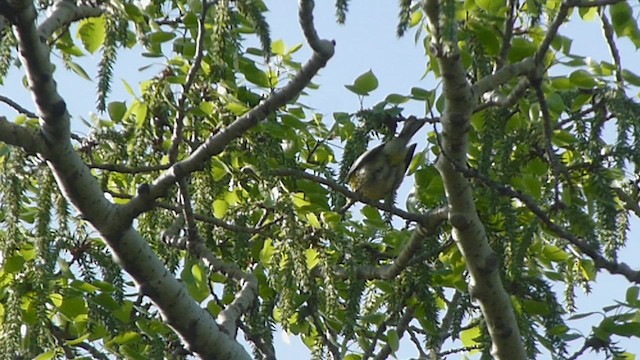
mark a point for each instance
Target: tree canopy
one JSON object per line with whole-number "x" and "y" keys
{"x": 206, "y": 207}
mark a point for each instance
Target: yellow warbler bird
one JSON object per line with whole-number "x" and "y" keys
{"x": 378, "y": 172}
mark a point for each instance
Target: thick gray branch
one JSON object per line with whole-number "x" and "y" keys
{"x": 23, "y": 137}
{"x": 322, "y": 51}
{"x": 467, "y": 229}
{"x": 194, "y": 325}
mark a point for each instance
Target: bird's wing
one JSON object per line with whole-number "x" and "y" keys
{"x": 363, "y": 159}
{"x": 409, "y": 155}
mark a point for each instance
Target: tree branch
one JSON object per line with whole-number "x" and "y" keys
{"x": 600, "y": 261}
{"x": 200, "y": 217}
{"x": 401, "y": 327}
{"x": 131, "y": 251}
{"x": 129, "y": 170}
{"x": 502, "y": 76}
{"x": 26, "y": 138}
{"x": 177, "y": 135}
{"x": 593, "y": 3}
{"x": 608, "y": 32}
{"x": 421, "y": 219}
{"x": 322, "y": 51}
{"x": 467, "y": 228}
{"x": 64, "y": 14}
{"x": 18, "y": 107}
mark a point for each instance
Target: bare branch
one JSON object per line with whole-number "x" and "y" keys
{"x": 408, "y": 252}
{"x": 495, "y": 98}
{"x": 629, "y": 202}
{"x": 468, "y": 231}
{"x": 502, "y": 76}
{"x": 445, "y": 325}
{"x": 401, "y": 327}
{"x": 177, "y": 135}
{"x": 556, "y": 166}
{"x": 593, "y": 3}
{"x": 18, "y": 107}
{"x": 64, "y": 13}
{"x": 600, "y": 261}
{"x": 607, "y": 29}
{"x": 245, "y": 298}
{"x": 216, "y": 143}
{"x": 352, "y": 195}
{"x": 552, "y": 31}
{"x": 26, "y": 138}
{"x": 507, "y": 36}
{"x": 129, "y": 170}
{"x": 204, "y": 218}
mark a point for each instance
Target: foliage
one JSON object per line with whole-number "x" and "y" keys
{"x": 550, "y": 162}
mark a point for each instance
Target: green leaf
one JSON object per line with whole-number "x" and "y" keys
{"x": 312, "y": 258}
{"x": 299, "y": 200}
{"x": 312, "y": 219}
{"x": 128, "y": 88}
{"x": 554, "y": 253}
{"x": 562, "y": 138}
{"x": 631, "y": 77}
{"x": 396, "y": 99}
{"x": 73, "y": 306}
{"x": 278, "y": 48}
{"x": 393, "y": 340}
{"x": 588, "y": 13}
{"x": 420, "y": 93}
{"x": 521, "y": 48}
{"x": 491, "y": 6}
{"x": 219, "y": 169}
{"x": 116, "y": 110}
{"x": 139, "y": 110}
{"x": 266, "y": 254}
{"x": 632, "y": 295}
{"x": 78, "y": 340}
{"x": 353, "y": 357}
{"x": 469, "y": 337}
{"x": 621, "y": 17}
{"x": 582, "y": 79}
{"x": 628, "y": 329}
{"x": 13, "y": 264}
{"x": 588, "y": 269}
{"x": 237, "y": 108}
{"x": 78, "y": 70}
{"x": 252, "y": 74}
{"x": 161, "y": 36}
{"x": 220, "y": 208}
{"x": 534, "y": 307}
{"x": 47, "y": 355}
{"x": 364, "y": 84}
{"x": 92, "y": 33}
{"x": 126, "y": 338}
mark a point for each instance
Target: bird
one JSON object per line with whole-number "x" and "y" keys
{"x": 378, "y": 172}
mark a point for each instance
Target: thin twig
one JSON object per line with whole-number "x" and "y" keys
{"x": 419, "y": 218}
{"x": 401, "y": 327}
{"x": 507, "y": 36}
{"x": 18, "y": 107}
{"x": 177, "y": 135}
{"x": 129, "y": 170}
{"x": 556, "y": 167}
{"x": 552, "y": 31}
{"x": 593, "y": 3}
{"x": 607, "y": 29}
{"x": 200, "y": 217}
{"x": 613, "y": 267}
